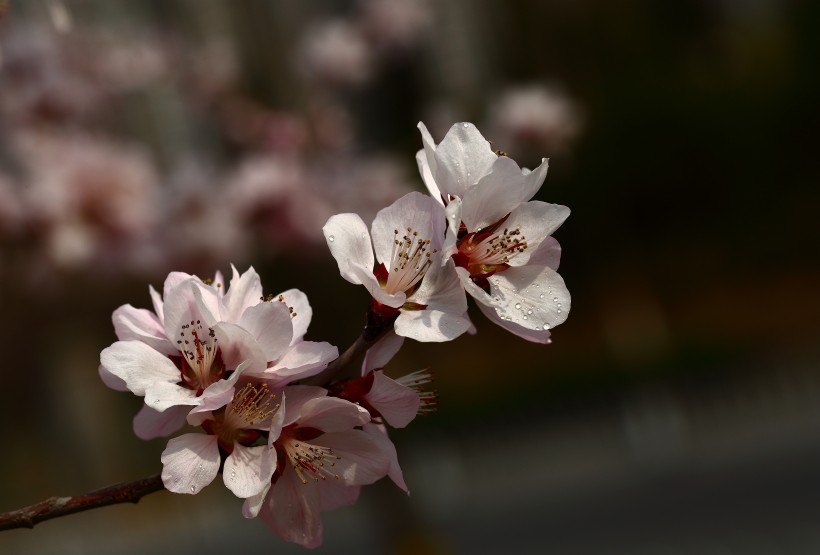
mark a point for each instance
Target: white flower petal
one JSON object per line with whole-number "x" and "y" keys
{"x": 537, "y": 221}
{"x": 161, "y": 396}
{"x": 453, "y": 214}
{"x": 156, "y": 300}
{"x": 253, "y": 504}
{"x": 441, "y": 290}
{"x": 174, "y": 279}
{"x": 426, "y": 160}
{"x": 548, "y": 253}
{"x": 151, "y": 424}
{"x": 298, "y": 301}
{"x": 530, "y": 296}
{"x": 245, "y": 291}
{"x": 536, "y": 336}
{"x": 349, "y": 243}
{"x": 110, "y": 380}
{"x": 190, "y": 462}
{"x": 138, "y": 365}
{"x": 462, "y": 159}
{"x": 494, "y": 196}
{"x": 270, "y": 324}
{"x": 248, "y": 470}
{"x": 430, "y": 325}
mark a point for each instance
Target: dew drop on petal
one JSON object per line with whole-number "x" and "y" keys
{"x": 331, "y": 238}
{"x": 517, "y": 305}
{"x": 529, "y": 311}
{"x": 466, "y": 125}
{"x": 546, "y": 327}
{"x": 559, "y": 305}
{"x": 555, "y": 299}
{"x": 193, "y": 489}
{"x": 541, "y": 296}
{"x": 525, "y": 317}
{"x": 559, "y": 311}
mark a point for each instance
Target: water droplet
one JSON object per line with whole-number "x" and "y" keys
{"x": 517, "y": 305}
{"x": 466, "y": 125}
{"x": 559, "y": 311}
{"x": 233, "y": 475}
{"x": 458, "y": 164}
{"x": 555, "y": 299}
{"x": 529, "y": 311}
{"x": 525, "y": 317}
{"x": 496, "y": 299}
{"x": 559, "y": 305}
{"x": 541, "y": 296}
{"x": 546, "y": 327}
{"x": 331, "y": 238}
{"x": 193, "y": 489}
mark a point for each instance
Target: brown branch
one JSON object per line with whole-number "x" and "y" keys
{"x": 53, "y": 507}
{"x": 377, "y": 326}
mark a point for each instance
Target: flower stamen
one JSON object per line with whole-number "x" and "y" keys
{"x": 409, "y": 261}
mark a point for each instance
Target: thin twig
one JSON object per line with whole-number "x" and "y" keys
{"x": 53, "y": 507}
{"x": 334, "y": 368}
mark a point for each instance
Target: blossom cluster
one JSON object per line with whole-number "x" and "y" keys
{"x": 271, "y": 410}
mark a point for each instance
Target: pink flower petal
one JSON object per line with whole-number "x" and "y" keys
{"x": 244, "y": 292}
{"x": 138, "y": 324}
{"x": 379, "y": 435}
{"x": 270, "y": 324}
{"x": 331, "y": 414}
{"x": 382, "y": 352}
{"x": 292, "y": 510}
{"x": 362, "y": 459}
{"x": 397, "y": 404}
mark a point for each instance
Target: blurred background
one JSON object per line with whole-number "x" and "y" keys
{"x": 677, "y": 410}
